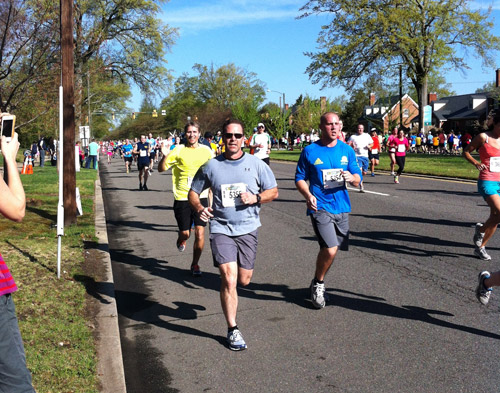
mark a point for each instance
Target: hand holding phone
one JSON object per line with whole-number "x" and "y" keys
{"x": 7, "y": 128}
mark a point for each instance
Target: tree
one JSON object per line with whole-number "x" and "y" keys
{"x": 28, "y": 56}
{"x": 369, "y": 37}
{"x": 213, "y": 95}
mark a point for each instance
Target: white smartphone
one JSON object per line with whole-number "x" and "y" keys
{"x": 8, "y": 123}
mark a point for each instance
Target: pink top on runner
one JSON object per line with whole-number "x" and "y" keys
{"x": 486, "y": 154}
{"x": 401, "y": 146}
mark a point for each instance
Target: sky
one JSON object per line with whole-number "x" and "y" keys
{"x": 264, "y": 37}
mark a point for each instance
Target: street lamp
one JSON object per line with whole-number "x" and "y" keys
{"x": 283, "y": 111}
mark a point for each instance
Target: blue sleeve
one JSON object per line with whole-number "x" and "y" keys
{"x": 302, "y": 171}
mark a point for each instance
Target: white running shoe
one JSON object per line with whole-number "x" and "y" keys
{"x": 482, "y": 292}
{"x": 318, "y": 295}
{"x": 478, "y": 236}
{"x": 482, "y": 254}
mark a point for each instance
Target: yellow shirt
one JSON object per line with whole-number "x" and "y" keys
{"x": 185, "y": 162}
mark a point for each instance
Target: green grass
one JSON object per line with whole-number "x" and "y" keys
{"x": 58, "y": 337}
{"x": 434, "y": 165}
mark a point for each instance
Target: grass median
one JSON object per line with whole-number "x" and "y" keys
{"x": 424, "y": 164}
{"x": 56, "y": 331}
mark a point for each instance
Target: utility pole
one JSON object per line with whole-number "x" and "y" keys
{"x": 67, "y": 70}
{"x": 400, "y": 96}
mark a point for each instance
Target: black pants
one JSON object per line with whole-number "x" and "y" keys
{"x": 400, "y": 160}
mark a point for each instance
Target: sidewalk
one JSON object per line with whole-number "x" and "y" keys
{"x": 109, "y": 352}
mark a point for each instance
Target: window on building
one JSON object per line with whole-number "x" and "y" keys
{"x": 406, "y": 112}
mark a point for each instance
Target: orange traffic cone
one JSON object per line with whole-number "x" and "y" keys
{"x": 25, "y": 166}
{"x": 30, "y": 166}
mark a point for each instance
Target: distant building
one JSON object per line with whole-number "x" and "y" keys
{"x": 461, "y": 112}
{"x": 383, "y": 113}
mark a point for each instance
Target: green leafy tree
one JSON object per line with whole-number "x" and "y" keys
{"x": 369, "y": 37}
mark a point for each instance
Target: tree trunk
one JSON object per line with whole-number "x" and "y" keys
{"x": 69, "y": 171}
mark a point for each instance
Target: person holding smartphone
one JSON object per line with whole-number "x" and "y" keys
{"x": 14, "y": 375}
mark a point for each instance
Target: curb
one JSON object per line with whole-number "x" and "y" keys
{"x": 109, "y": 351}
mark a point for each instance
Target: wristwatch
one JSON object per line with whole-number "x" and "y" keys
{"x": 258, "y": 198}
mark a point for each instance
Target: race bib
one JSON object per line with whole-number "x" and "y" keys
{"x": 392, "y": 150}
{"x": 230, "y": 194}
{"x": 143, "y": 153}
{"x": 401, "y": 148}
{"x": 332, "y": 178}
{"x": 374, "y": 151}
{"x": 495, "y": 164}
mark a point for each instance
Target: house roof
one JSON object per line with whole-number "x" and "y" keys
{"x": 460, "y": 107}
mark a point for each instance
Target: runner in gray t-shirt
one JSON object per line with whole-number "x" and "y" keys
{"x": 240, "y": 183}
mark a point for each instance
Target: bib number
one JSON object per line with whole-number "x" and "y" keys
{"x": 143, "y": 153}
{"x": 332, "y": 178}
{"x": 374, "y": 151}
{"x": 495, "y": 164}
{"x": 230, "y": 194}
{"x": 401, "y": 148}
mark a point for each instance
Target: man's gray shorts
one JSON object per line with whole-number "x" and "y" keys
{"x": 332, "y": 230}
{"x": 241, "y": 249}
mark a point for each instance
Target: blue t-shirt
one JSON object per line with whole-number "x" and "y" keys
{"x": 127, "y": 150}
{"x": 315, "y": 165}
{"x": 227, "y": 179}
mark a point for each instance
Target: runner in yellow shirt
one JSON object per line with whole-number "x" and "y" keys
{"x": 185, "y": 160}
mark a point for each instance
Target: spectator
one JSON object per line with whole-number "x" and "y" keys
{"x": 14, "y": 374}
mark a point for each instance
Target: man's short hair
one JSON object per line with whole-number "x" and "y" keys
{"x": 193, "y": 124}
{"x": 323, "y": 117}
{"x": 232, "y": 121}
{"x": 208, "y": 135}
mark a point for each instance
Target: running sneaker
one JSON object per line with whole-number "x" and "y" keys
{"x": 145, "y": 187}
{"x": 478, "y": 236}
{"x": 140, "y": 187}
{"x": 181, "y": 246}
{"x": 373, "y": 174}
{"x": 195, "y": 271}
{"x": 396, "y": 179}
{"x": 361, "y": 188}
{"x": 482, "y": 292}
{"x": 235, "y": 341}
{"x": 149, "y": 172}
{"x": 393, "y": 174}
{"x": 318, "y": 295}
{"x": 481, "y": 253}
{"x": 127, "y": 170}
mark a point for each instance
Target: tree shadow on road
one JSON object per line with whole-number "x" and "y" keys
{"x": 404, "y": 312}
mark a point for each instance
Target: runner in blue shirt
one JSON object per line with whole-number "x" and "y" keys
{"x": 327, "y": 164}
{"x": 127, "y": 149}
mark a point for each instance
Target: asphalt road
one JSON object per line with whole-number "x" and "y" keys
{"x": 402, "y": 317}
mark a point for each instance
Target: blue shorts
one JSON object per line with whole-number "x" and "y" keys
{"x": 362, "y": 163}
{"x": 488, "y": 188}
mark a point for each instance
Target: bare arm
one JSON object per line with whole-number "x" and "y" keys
{"x": 162, "y": 165}
{"x": 205, "y": 213}
{"x": 265, "y": 196}
{"x": 476, "y": 143}
{"x": 13, "y": 201}
{"x": 303, "y": 188}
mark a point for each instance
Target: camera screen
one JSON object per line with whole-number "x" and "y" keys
{"x": 7, "y": 127}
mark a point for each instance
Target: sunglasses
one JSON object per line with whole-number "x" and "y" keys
{"x": 228, "y": 135}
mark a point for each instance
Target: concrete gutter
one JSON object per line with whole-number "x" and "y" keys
{"x": 109, "y": 351}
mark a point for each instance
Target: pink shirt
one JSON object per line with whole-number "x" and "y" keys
{"x": 486, "y": 154}
{"x": 401, "y": 146}
{"x": 7, "y": 284}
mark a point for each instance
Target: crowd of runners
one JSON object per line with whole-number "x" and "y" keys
{"x": 214, "y": 181}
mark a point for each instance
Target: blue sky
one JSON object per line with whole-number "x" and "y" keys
{"x": 265, "y": 38}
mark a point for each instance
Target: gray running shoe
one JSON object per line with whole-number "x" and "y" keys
{"x": 235, "y": 341}
{"x": 483, "y": 293}
{"x": 318, "y": 295}
{"x": 478, "y": 236}
{"x": 482, "y": 254}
